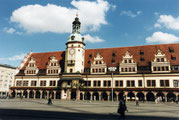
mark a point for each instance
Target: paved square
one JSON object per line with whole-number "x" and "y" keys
{"x": 80, "y": 110}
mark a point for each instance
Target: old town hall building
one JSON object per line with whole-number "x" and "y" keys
{"x": 146, "y": 72}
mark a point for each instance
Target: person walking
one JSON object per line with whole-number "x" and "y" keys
{"x": 50, "y": 100}
{"x": 122, "y": 108}
{"x": 137, "y": 101}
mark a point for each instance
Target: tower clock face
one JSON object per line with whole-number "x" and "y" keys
{"x": 72, "y": 51}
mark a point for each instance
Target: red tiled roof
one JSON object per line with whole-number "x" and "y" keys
{"x": 149, "y": 54}
{"x": 43, "y": 58}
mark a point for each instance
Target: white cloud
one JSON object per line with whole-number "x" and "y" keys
{"x": 58, "y": 19}
{"x": 157, "y": 25}
{"x": 130, "y": 13}
{"x": 91, "y": 39}
{"x": 9, "y": 30}
{"x": 14, "y": 58}
{"x": 156, "y": 13}
{"x": 160, "y": 37}
{"x": 169, "y": 22}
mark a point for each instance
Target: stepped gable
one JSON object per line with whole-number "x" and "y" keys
{"x": 43, "y": 58}
{"x": 149, "y": 54}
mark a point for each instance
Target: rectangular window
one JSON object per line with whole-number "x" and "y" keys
{"x": 158, "y": 68}
{"x": 94, "y": 83}
{"x": 154, "y": 68}
{"x": 42, "y": 83}
{"x": 167, "y": 83}
{"x": 167, "y": 68}
{"x": 116, "y": 83}
{"x": 153, "y": 83}
{"x": 33, "y": 83}
{"x": 25, "y": 83}
{"x": 175, "y": 82}
{"x": 140, "y": 83}
{"x": 161, "y": 83}
{"x": 104, "y": 83}
{"x": 109, "y": 83}
{"x": 133, "y": 69}
{"x": 125, "y": 69}
{"x": 89, "y": 83}
{"x": 99, "y": 83}
{"x": 121, "y": 83}
{"x": 148, "y": 83}
{"x": 128, "y": 83}
{"x": 85, "y": 83}
{"x": 133, "y": 83}
{"x": 52, "y": 83}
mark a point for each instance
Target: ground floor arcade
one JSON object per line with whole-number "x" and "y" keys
{"x": 96, "y": 95}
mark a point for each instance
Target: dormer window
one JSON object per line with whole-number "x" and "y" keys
{"x": 158, "y": 60}
{"x": 90, "y": 55}
{"x": 128, "y": 65}
{"x": 114, "y": 55}
{"x": 53, "y": 67}
{"x": 171, "y": 50}
{"x": 98, "y": 66}
{"x": 141, "y": 52}
{"x": 31, "y": 68}
{"x": 160, "y": 63}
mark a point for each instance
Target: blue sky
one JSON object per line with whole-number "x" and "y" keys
{"x": 44, "y": 25}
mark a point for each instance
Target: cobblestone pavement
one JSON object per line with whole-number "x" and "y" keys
{"x": 31, "y": 109}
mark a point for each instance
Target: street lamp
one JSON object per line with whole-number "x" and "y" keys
{"x": 112, "y": 69}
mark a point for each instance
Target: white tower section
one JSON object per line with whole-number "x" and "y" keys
{"x": 75, "y": 50}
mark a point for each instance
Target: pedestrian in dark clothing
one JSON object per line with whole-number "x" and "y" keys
{"x": 122, "y": 108}
{"x": 50, "y": 100}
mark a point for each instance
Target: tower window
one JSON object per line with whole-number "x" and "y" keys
{"x": 113, "y": 61}
{"x": 71, "y": 70}
{"x": 89, "y": 62}
{"x": 72, "y": 37}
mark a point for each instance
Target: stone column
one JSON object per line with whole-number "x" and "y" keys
{"x": 117, "y": 97}
{"x": 28, "y": 92}
{"x": 78, "y": 94}
{"x": 108, "y": 94}
{"x": 135, "y": 93}
{"x": 41, "y": 94}
{"x": 165, "y": 96}
{"x": 99, "y": 95}
{"x": 91, "y": 96}
{"x": 145, "y": 96}
{"x": 48, "y": 94}
{"x": 22, "y": 93}
{"x": 15, "y": 93}
{"x": 125, "y": 95}
{"x": 83, "y": 93}
{"x": 54, "y": 94}
{"x": 34, "y": 93}
{"x": 68, "y": 94}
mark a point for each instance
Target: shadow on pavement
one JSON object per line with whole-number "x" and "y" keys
{"x": 19, "y": 114}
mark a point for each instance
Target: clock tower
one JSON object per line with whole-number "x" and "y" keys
{"x": 75, "y": 50}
